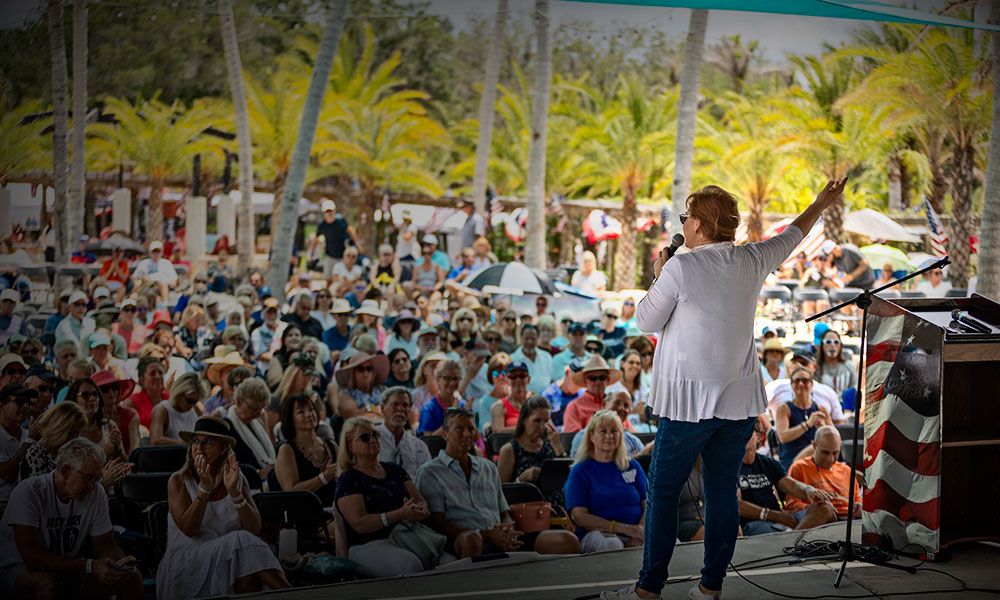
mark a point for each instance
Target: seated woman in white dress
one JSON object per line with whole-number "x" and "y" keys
{"x": 212, "y": 543}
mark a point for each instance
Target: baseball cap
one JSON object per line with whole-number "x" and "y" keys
{"x": 15, "y": 390}
{"x": 430, "y": 239}
{"x": 156, "y": 246}
{"x": 128, "y": 302}
{"x": 102, "y": 292}
{"x": 577, "y": 326}
{"x": 78, "y": 296}
{"x": 517, "y": 365}
{"x": 271, "y": 303}
{"x": 804, "y": 353}
{"x": 9, "y": 294}
{"x": 827, "y": 247}
{"x": 576, "y": 365}
{"x": 328, "y": 205}
{"x": 99, "y": 339}
{"x": 85, "y": 238}
{"x": 11, "y": 359}
{"x": 41, "y": 371}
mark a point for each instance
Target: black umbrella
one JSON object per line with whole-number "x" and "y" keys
{"x": 515, "y": 276}
{"x": 114, "y": 242}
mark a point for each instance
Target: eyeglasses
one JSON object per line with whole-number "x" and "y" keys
{"x": 367, "y": 437}
{"x": 509, "y": 319}
{"x": 95, "y": 479}
{"x": 801, "y": 381}
{"x": 499, "y": 373}
{"x": 593, "y": 349}
{"x": 492, "y": 340}
{"x": 129, "y": 309}
{"x": 400, "y": 360}
{"x": 450, "y": 379}
{"x": 832, "y": 342}
{"x": 683, "y": 217}
{"x": 204, "y": 442}
{"x": 109, "y": 388}
{"x": 86, "y": 395}
{"x": 465, "y": 319}
{"x": 143, "y": 309}
{"x": 517, "y": 375}
{"x": 607, "y": 316}
{"x": 597, "y": 377}
{"x": 645, "y": 354}
{"x": 201, "y": 281}
{"x": 46, "y": 388}
{"x": 80, "y": 303}
{"x": 628, "y": 303}
{"x": 365, "y": 369}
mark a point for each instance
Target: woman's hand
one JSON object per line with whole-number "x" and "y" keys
{"x": 829, "y": 194}
{"x": 413, "y": 511}
{"x": 553, "y": 436}
{"x": 231, "y": 475}
{"x": 114, "y": 471}
{"x": 114, "y": 439}
{"x": 661, "y": 259}
{"x": 815, "y": 420}
{"x": 530, "y": 474}
{"x": 330, "y": 471}
{"x": 204, "y": 471}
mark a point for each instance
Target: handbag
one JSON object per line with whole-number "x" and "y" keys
{"x": 419, "y": 539}
{"x": 531, "y": 516}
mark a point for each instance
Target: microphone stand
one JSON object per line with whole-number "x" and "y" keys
{"x": 848, "y": 551}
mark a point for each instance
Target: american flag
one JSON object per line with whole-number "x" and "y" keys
{"x": 438, "y": 218}
{"x": 902, "y": 457}
{"x": 494, "y": 206}
{"x": 939, "y": 237}
{"x": 810, "y": 244}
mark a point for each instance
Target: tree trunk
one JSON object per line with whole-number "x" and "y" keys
{"x": 895, "y": 173}
{"x": 534, "y": 247}
{"x": 687, "y": 115}
{"x": 649, "y": 239}
{"x": 486, "y": 109}
{"x": 988, "y": 283}
{"x": 154, "y": 221}
{"x": 234, "y": 67}
{"x": 279, "y": 191}
{"x": 939, "y": 184}
{"x": 367, "y": 231}
{"x": 90, "y": 225}
{"x": 78, "y": 167}
{"x": 755, "y": 221}
{"x": 961, "y": 214}
{"x": 833, "y": 221}
{"x": 283, "y": 235}
{"x": 905, "y": 184}
{"x": 60, "y": 124}
{"x": 625, "y": 254}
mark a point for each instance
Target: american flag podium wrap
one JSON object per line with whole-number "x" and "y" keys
{"x": 932, "y": 425}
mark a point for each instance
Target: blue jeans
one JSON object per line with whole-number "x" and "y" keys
{"x": 721, "y": 444}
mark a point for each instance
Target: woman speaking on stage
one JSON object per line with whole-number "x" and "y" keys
{"x": 706, "y": 386}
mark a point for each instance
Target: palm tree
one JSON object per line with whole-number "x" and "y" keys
{"x": 153, "y": 138}
{"x": 534, "y": 251}
{"x": 284, "y": 232}
{"x": 989, "y": 244}
{"x": 60, "y": 125}
{"x": 78, "y": 167}
{"x": 487, "y": 105}
{"x": 620, "y": 146}
{"x": 22, "y": 143}
{"x": 687, "y": 115}
{"x": 244, "y": 238}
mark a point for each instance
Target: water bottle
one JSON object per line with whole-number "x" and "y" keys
{"x": 288, "y": 542}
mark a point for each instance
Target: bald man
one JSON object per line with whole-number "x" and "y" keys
{"x": 823, "y": 471}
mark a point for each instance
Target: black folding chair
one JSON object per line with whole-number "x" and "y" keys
{"x": 157, "y": 522}
{"x": 145, "y": 488}
{"x": 554, "y": 474}
{"x": 158, "y": 459}
{"x": 496, "y": 441}
{"x": 521, "y": 492}
{"x": 300, "y": 509}
{"x": 646, "y": 437}
{"x": 566, "y": 439}
{"x": 644, "y": 461}
{"x": 253, "y": 477}
{"x": 435, "y": 444}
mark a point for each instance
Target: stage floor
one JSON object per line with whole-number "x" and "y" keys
{"x": 585, "y": 576}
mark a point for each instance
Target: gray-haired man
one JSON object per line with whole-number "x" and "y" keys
{"x": 46, "y": 524}
{"x": 398, "y": 446}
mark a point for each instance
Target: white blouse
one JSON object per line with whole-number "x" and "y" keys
{"x": 703, "y": 304}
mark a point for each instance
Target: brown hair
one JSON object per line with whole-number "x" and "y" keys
{"x": 718, "y": 213}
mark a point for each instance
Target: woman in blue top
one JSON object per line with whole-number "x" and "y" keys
{"x": 448, "y": 375}
{"x": 798, "y": 420}
{"x": 606, "y": 490}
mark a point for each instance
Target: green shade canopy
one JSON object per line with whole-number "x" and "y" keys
{"x": 862, "y": 10}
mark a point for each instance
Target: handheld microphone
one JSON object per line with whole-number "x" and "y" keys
{"x": 969, "y": 321}
{"x": 675, "y": 242}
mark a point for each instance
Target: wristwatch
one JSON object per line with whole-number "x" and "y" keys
{"x": 88, "y": 567}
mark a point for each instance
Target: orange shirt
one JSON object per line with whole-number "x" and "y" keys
{"x": 833, "y": 480}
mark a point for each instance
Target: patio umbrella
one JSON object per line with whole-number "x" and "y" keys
{"x": 879, "y": 254}
{"x": 114, "y": 242}
{"x": 513, "y": 275}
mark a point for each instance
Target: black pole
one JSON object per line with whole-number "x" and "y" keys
{"x": 227, "y": 175}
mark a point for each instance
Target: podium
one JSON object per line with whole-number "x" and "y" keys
{"x": 932, "y": 442}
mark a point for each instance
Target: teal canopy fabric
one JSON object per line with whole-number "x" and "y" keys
{"x": 863, "y": 10}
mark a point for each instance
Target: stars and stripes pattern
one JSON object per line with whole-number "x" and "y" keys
{"x": 902, "y": 456}
{"x": 938, "y": 235}
{"x": 515, "y": 224}
{"x": 494, "y": 206}
{"x": 599, "y": 225}
{"x": 438, "y": 219}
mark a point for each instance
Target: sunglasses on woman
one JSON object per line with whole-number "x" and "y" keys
{"x": 832, "y": 342}
{"x": 367, "y": 437}
{"x": 365, "y": 368}
{"x": 683, "y": 217}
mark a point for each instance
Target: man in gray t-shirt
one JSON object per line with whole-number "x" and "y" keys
{"x": 848, "y": 258}
{"x": 44, "y": 528}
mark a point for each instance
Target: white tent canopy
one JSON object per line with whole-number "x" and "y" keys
{"x": 876, "y": 226}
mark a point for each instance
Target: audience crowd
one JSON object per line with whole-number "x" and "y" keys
{"x": 404, "y": 400}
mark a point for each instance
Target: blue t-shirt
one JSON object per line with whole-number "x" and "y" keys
{"x": 335, "y": 341}
{"x": 52, "y": 322}
{"x": 606, "y": 491}
{"x": 559, "y": 400}
{"x": 432, "y": 415}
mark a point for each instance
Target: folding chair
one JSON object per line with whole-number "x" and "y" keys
{"x": 158, "y": 459}
{"x": 554, "y": 474}
{"x": 496, "y": 441}
{"x": 644, "y": 461}
{"x": 253, "y": 477}
{"x": 646, "y": 437}
{"x": 301, "y": 509}
{"x": 435, "y": 444}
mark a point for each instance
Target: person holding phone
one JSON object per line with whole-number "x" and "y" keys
{"x": 212, "y": 543}
{"x": 50, "y": 519}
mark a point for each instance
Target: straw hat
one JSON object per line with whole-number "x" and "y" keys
{"x": 226, "y": 357}
{"x": 774, "y": 344}
{"x": 369, "y": 307}
{"x": 212, "y": 427}
{"x": 596, "y": 363}
{"x": 341, "y": 306}
{"x": 379, "y": 361}
{"x": 106, "y": 377}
